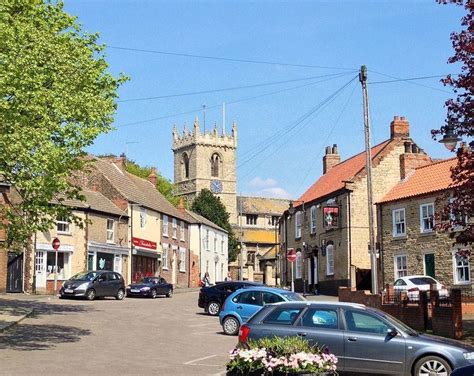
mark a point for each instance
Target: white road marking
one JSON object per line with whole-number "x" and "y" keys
{"x": 199, "y": 359}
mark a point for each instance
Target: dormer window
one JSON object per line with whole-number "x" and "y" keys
{"x": 215, "y": 160}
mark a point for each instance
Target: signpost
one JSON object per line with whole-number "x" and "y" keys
{"x": 56, "y": 243}
{"x": 291, "y": 257}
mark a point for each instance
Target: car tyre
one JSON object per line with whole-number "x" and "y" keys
{"x": 231, "y": 325}
{"x": 120, "y": 294}
{"x": 169, "y": 294}
{"x": 432, "y": 365}
{"x": 90, "y": 294}
{"x": 213, "y": 308}
{"x": 153, "y": 294}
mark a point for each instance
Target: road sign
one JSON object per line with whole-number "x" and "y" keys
{"x": 291, "y": 256}
{"x": 56, "y": 243}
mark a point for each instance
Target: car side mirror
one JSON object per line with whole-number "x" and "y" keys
{"x": 392, "y": 332}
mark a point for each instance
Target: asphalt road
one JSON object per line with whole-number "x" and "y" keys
{"x": 108, "y": 337}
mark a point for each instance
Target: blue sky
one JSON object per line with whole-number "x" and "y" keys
{"x": 396, "y": 38}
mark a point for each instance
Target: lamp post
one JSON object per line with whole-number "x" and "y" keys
{"x": 277, "y": 249}
{"x": 450, "y": 138}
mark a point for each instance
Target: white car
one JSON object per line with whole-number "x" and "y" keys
{"x": 413, "y": 284}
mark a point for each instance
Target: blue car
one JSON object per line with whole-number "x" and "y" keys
{"x": 242, "y": 304}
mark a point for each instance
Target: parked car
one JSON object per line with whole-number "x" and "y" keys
{"x": 93, "y": 284}
{"x": 413, "y": 284}
{"x": 365, "y": 340}
{"x": 211, "y": 298}
{"x": 243, "y": 303}
{"x": 150, "y": 287}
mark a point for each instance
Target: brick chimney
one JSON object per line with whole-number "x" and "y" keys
{"x": 331, "y": 158}
{"x": 399, "y": 127}
{"x": 153, "y": 177}
{"x": 181, "y": 206}
{"x": 413, "y": 158}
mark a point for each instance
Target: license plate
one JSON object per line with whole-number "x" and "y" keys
{"x": 69, "y": 291}
{"x": 134, "y": 290}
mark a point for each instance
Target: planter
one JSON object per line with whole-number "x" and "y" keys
{"x": 262, "y": 372}
{"x": 239, "y": 373}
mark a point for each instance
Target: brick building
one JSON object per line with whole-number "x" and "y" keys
{"x": 407, "y": 229}
{"x": 4, "y": 191}
{"x": 329, "y": 228}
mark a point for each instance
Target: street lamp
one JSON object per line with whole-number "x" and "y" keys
{"x": 450, "y": 138}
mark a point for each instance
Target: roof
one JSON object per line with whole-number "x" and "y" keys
{"x": 200, "y": 219}
{"x": 262, "y": 205}
{"x": 427, "y": 179}
{"x": 93, "y": 201}
{"x": 338, "y": 175}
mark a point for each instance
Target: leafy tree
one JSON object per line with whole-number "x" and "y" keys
{"x": 56, "y": 97}
{"x": 460, "y": 120}
{"x": 212, "y": 208}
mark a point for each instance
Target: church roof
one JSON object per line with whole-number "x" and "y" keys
{"x": 261, "y": 205}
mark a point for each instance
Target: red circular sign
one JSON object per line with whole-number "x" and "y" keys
{"x": 56, "y": 243}
{"x": 291, "y": 256}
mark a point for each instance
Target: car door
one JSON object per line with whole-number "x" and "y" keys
{"x": 162, "y": 286}
{"x": 368, "y": 347}
{"x": 100, "y": 286}
{"x": 279, "y": 322}
{"x": 248, "y": 303}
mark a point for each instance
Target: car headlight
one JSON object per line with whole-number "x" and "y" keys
{"x": 145, "y": 288}
{"x": 469, "y": 355}
{"x": 82, "y": 286}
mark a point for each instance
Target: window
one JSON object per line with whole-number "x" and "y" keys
{"x": 462, "y": 272}
{"x": 215, "y": 165}
{"x": 269, "y": 298}
{"x": 215, "y": 243}
{"x": 142, "y": 217}
{"x": 249, "y": 297}
{"x": 62, "y": 225}
{"x": 275, "y": 220}
{"x": 251, "y": 219}
{"x": 165, "y": 256}
{"x": 401, "y": 269}
{"x": 62, "y": 263}
{"x": 222, "y": 246}
{"x": 181, "y": 231}
{"x": 299, "y": 265}
{"x": 330, "y": 259}
{"x": 165, "y": 225}
{"x": 39, "y": 265}
{"x": 400, "y": 282}
{"x": 110, "y": 230}
{"x": 185, "y": 165}
{"x": 298, "y": 224}
{"x": 313, "y": 219}
{"x": 206, "y": 241}
{"x": 398, "y": 221}
{"x": 365, "y": 323}
{"x": 283, "y": 316}
{"x": 182, "y": 259}
{"x": 320, "y": 318}
{"x": 175, "y": 228}
{"x": 426, "y": 217}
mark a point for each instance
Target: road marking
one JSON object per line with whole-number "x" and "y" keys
{"x": 199, "y": 359}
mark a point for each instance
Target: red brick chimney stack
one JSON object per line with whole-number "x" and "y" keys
{"x": 181, "y": 206}
{"x": 399, "y": 127}
{"x": 331, "y": 158}
{"x": 153, "y": 177}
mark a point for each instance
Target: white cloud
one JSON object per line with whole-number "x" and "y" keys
{"x": 268, "y": 187}
{"x": 275, "y": 192}
{"x": 260, "y": 183}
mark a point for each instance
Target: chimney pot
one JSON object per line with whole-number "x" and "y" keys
{"x": 399, "y": 127}
{"x": 331, "y": 158}
{"x": 153, "y": 177}
{"x": 334, "y": 149}
{"x": 328, "y": 150}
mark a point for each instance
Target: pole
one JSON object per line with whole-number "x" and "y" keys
{"x": 241, "y": 270}
{"x": 292, "y": 277}
{"x": 368, "y": 167}
{"x": 55, "y": 271}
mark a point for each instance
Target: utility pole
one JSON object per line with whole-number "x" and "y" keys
{"x": 368, "y": 168}
{"x": 241, "y": 271}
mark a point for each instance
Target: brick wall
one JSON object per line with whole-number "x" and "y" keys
{"x": 447, "y": 320}
{"x": 3, "y": 268}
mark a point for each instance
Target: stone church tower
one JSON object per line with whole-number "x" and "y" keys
{"x": 206, "y": 161}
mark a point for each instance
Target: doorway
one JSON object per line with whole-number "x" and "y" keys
{"x": 430, "y": 264}
{"x": 15, "y": 272}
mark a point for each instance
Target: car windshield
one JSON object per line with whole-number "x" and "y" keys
{"x": 422, "y": 280}
{"x": 86, "y": 276}
{"x": 292, "y": 297}
{"x": 397, "y": 323}
{"x": 148, "y": 280}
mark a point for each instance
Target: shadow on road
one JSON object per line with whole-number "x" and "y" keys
{"x": 17, "y": 307}
{"x": 27, "y": 337}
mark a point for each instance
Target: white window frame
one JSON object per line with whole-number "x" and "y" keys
{"x": 251, "y": 219}
{"x": 222, "y": 245}
{"x": 330, "y": 259}
{"x": 215, "y": 243}
{"x": 110, "y": 231}
{"x": 298, "y": 224}
{"x": 456, "y": 267}
{"x": 65, "y": 223}
{"x": 175, "y": 228}
{"x": 182, "y": 260}
{"x": 143, "y": 217}
{"x": 40, "y": 261}
{"x": 299, "y": 265}
{"x": 165, "y": 225}
{"x": 395, "y": 232}
{"x": 165, "y": 265}
{"x": 423, "y": 218}
{"x": 398, "y": 269}
{"x": 313, "y": 219}
{"x": 206, "y": 241}
{"x": 181, "y": 231}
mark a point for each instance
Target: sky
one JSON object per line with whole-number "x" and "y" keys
{"x": 288, "y": 110}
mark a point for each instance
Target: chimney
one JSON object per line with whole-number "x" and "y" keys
{"x": 181, "y": 206}
{"x": 399, "y": 127}
{"x": 331, "y": 158}
{"x": 413, "y": 158}
{"x": 153, "y": 177}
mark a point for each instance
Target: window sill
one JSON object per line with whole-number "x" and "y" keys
{"x": 64, "y": 233}
{"x": 427, "y": 233}
{"x": 399, "y": 237}
{"x": 165, "y": 268}
{"x": 165, "y": 235}
{"x": 182, "y": 271}
{"x": 110, "y": 242}
{"x": 464, "y": 283}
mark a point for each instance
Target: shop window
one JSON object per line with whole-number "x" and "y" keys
{"x": 63, "y": 226}
{"x": 401, "y": 268}
{"x": 398, "y": 222}
{"x": 50, "y": 265}
{"x": 426, "y": 217}
{"x": 105, "y": 261}
{"x": 110, "y": 231}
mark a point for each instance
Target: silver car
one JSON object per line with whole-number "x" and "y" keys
{"x": 364, "y": 339}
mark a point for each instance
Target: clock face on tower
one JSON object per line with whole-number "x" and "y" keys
{"x": 216, "y": 186}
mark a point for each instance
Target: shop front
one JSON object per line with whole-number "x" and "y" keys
{"x": 145, "y": 259}
{"x": 102, "y": 256}
{"x": 46, "y": 267}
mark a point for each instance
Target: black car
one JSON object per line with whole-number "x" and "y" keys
{"x": 150, "y": 287}
{"x": 95, "y": 283}
{"x": 211, "y": 298}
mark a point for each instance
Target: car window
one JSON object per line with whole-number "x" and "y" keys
{"x": 269, "y": 298}
{"x": 102, "y": 277}
{"x": 250, "y": 297}
{"x": 282, "y": 316}
{"x": 422, "y": 281}
{"x": 364, "y": 322}
{"x": 162, "y": 281}
{"x": 400, "y": 282}
{"x": 118, "y": 276}
{"x": 111, "y": 277}
{"x": 293, "y": 297}
{"x": 320, "y": 318}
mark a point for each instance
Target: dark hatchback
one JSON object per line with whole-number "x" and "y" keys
{"x": 92, "y": 284}
{"x": 150, "y": 287}
{"x": 211, "y": 298}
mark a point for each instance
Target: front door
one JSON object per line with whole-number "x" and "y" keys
{"x": 40, "y": 269}
{"x": 430, "y": 264}
{"x": 15, "y": 272}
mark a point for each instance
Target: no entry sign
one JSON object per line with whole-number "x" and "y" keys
{"x": 56, "y": 243}
{"x": 291, "y": 256}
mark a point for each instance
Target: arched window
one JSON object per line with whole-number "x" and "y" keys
{"x": 185, "y": 166}
{"x": 215, "y": 165}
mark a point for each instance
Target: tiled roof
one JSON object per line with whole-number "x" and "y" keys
{"x": 336, "y": 177}
{"x": 262, "y": 205}
{"x": 98, "y": 202}
{"x": 431, "y": 178}
{"x": 200, "y": 219}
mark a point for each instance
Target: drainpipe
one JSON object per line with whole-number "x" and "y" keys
{"x": 87, "y": 240}
{"x": 349, "y": 238}
{"x": 189, "y": 258}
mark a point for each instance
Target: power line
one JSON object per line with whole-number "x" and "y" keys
{"x": 221, "y": 58}
{"x": 226, "y": 89}
{"x": 406, "y": 79}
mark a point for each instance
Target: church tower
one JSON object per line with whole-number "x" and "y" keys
{"x": 206, "y": 161}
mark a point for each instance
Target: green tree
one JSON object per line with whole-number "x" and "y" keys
{"x": 56, "y": 97}
{"x": 212, "y": 208}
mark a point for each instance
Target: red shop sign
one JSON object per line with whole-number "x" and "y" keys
{"x": 143, "y": 243}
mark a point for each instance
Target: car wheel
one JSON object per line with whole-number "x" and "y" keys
{"x": 120, "y": 294}
{"x": 153, "y": 294}
{"x": 169, "y": 294}
{"x": 90, "y": 294}
{"x": 213, "y": 308}
{"x": 231, "y": 326}
{"x": 432, "y": 365}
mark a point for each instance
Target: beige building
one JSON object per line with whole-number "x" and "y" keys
{"x": 329, "y": 227}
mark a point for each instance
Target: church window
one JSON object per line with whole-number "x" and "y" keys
{"x": 215, "y": 165}
{"x": 185, "y": 166}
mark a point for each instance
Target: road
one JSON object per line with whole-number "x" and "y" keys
{"x": 108, "y": 337}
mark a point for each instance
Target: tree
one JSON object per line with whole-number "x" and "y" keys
{"x": 56, "y": 97}
{"x": 212, "y": 208}
{"x": 460, "y": 121}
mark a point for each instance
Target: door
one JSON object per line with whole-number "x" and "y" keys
{"x": 15, "y": 272}
{"x": 40, "y": 269}
{"x": 100, "y": 285}
{"x": 430, "y": 264}
{"x": 367, "y": 346}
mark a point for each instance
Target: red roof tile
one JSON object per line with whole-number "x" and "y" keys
{"x": 334, "y": 179}
{"x": 431, "y": 178}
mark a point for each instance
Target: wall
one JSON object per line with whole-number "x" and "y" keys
{"x": 209, "y": 254}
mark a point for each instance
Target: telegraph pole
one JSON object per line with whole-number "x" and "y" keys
{"x": 368, "y": 168}
{"x": 241, "y": 258}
